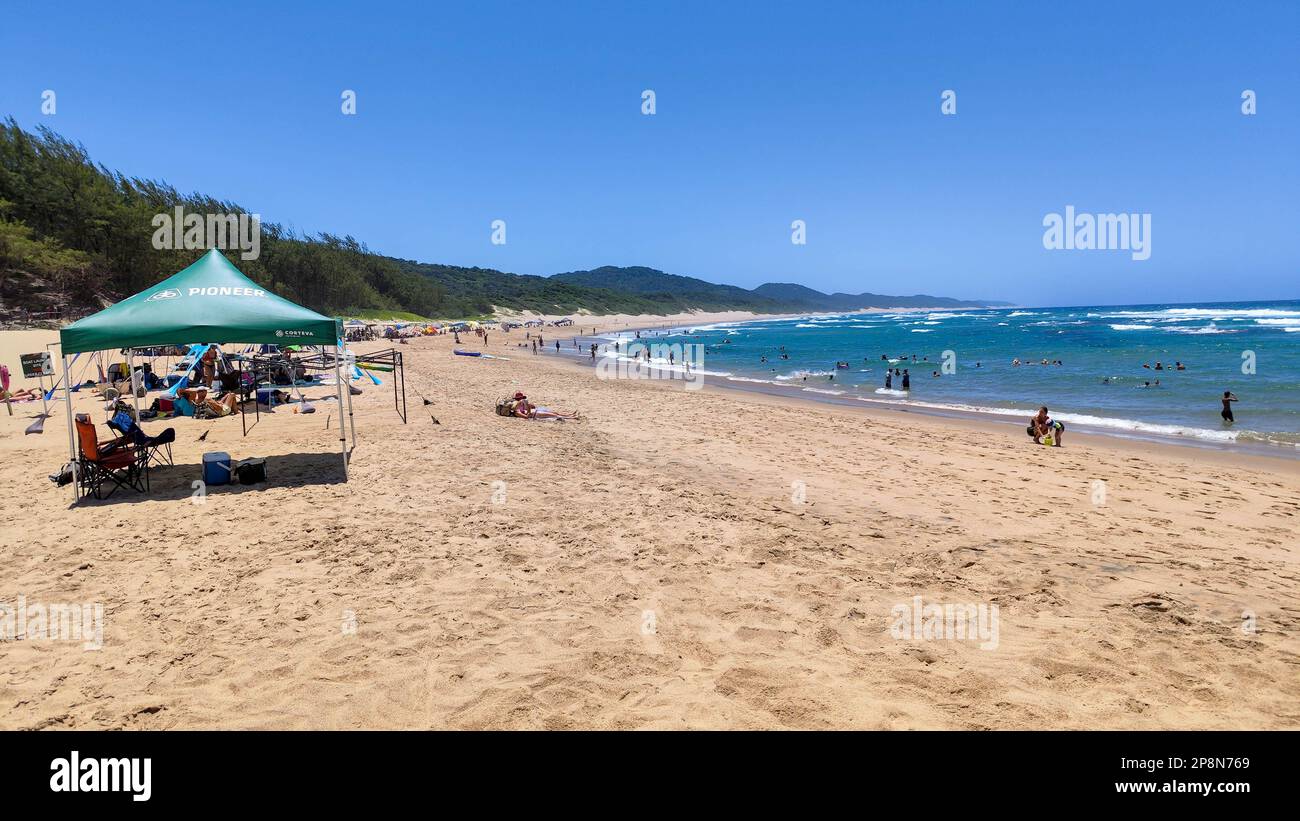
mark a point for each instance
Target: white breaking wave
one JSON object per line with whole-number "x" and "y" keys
{"x": 800, "y": 375}
{"x": 1129, "y": 425}
{"x": 1204, "y": 313}
{"x": 1131, "y": 327}
{"x": 1208, "y": 329}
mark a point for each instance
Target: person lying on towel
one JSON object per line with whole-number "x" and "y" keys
{"x": 524, "y": 409}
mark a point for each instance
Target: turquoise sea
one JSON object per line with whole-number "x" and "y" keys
{"x": 1251, "y": 349}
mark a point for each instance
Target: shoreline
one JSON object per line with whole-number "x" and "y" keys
{"x": 1261, "y": 456}
{"x": 994, "y": 421}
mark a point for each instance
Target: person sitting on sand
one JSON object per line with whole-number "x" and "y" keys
{"x": 1041, "y": 425}
{"x": 196, "y": 398}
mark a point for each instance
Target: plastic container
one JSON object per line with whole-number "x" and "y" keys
{"x": 216, "y": 468}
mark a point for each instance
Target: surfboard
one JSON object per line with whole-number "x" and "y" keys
{"x": 468, "y": 353}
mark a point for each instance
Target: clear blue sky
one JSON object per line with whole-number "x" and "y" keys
{"x": 767, "y": 113}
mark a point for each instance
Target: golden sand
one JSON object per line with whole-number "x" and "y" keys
{"x": 676, "y": 559}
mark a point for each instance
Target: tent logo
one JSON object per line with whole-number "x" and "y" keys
{"x": 279, "y": 333}
{"x": 166, "y": 293}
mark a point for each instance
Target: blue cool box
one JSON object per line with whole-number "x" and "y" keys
{"x": 216, "y": 468}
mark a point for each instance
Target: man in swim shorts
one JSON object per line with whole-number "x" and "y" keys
{"x": 1041, "y": 425}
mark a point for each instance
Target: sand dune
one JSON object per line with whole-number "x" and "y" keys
{"x": 506, "y": 574}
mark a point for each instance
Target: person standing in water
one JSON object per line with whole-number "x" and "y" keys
{"x": 1228, "y": 398}
{"x": 907, "y": 380}
{"x": 889, "y": 380}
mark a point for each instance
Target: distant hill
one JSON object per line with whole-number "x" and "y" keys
{"x": 773, "y": 297}
{"x": 810, "y": 299}
{"x": 475, "y": 291}
{"x": 673, "y": 290}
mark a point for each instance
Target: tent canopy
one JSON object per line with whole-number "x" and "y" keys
{"x": 210, "y": 301}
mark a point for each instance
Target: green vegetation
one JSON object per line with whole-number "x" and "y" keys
{"x": 85, "y": 233}
{"x": 90, "y": 231}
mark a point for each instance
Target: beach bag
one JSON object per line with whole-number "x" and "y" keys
{"x": 506, "y": 406}
{"x": 251, "y": 471}
{"x": 65, "y": 475}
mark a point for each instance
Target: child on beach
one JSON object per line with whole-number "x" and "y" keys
{"x": 1042, "y": 426}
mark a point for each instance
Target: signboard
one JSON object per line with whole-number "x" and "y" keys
{"x": 36, "y": 365}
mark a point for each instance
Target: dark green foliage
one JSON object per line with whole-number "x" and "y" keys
{"x": 89, "y": 232}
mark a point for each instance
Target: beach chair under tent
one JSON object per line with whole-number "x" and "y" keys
{"x": 112, "y": 465}
{"x": 158, "y": 449}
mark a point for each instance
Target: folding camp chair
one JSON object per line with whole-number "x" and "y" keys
{"x": 158, "y": 449}
{"x": 115, "y": 464}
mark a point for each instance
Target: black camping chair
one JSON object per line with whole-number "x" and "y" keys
{"x": 157, "y": 449}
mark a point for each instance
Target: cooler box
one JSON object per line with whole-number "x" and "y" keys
{"x": 266, "y": 396}
{"x": 216, "y": 468}
{"x": 165, "y": 405}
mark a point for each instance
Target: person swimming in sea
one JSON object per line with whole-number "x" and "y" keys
{"x": 1228, "y": 398}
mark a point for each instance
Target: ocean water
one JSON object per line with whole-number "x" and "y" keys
{"x": 1101, "y": 382}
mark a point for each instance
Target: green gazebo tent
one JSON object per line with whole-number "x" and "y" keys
{"x": 210, "y": 301}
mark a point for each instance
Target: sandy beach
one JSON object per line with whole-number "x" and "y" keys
{"x": 675, "y": 559}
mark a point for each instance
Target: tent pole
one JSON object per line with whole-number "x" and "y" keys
{"x": 72, "y": 439}
{"x": 352, "y": 425}
{"x": 130, "y": 367}
{"x": 343, "y": 432}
